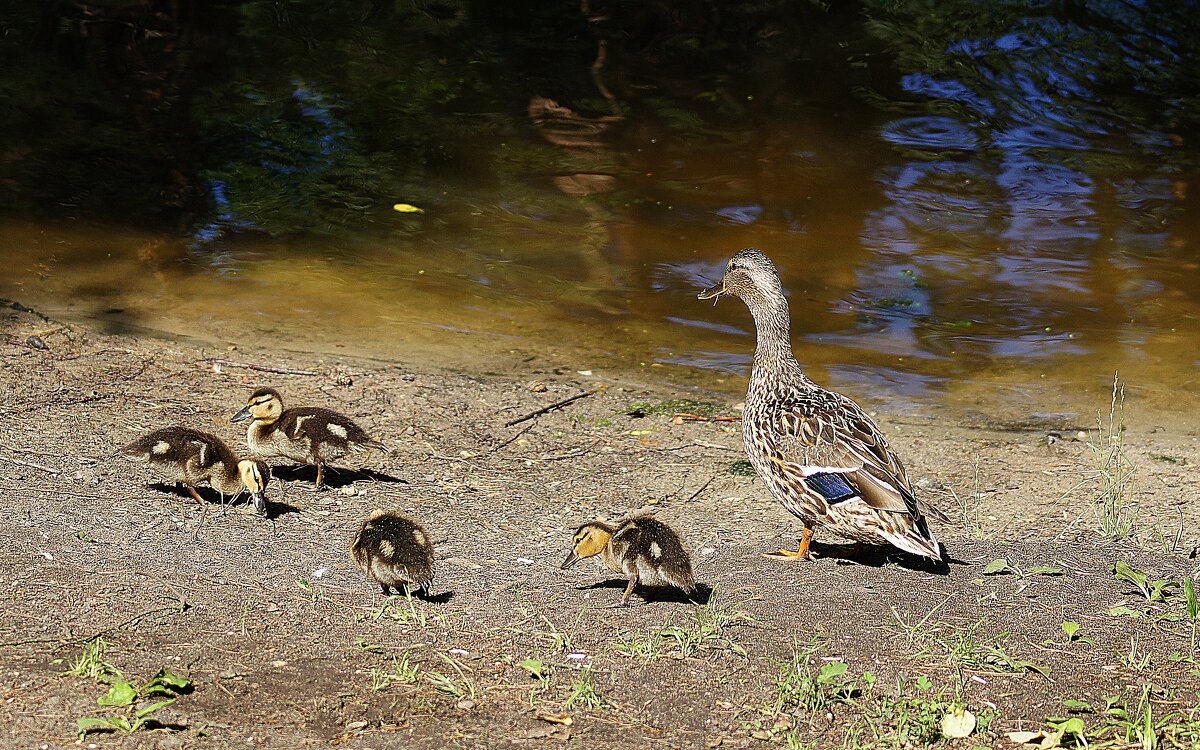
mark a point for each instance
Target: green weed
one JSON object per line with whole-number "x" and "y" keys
{"x": 124, "y": 696}
{"x": 710, "y": 630}
{"x": 1112, "y": 496}
{"x": 672, "y": 407}
{"x": 583, "y": 693}
{"x": 463, "y": 687}
{"x": 91, "y": 662}
{"x": 403, "y": 672}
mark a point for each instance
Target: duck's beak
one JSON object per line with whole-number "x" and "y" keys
{"x": 241, "y": 416}
{"x": 260, "y": 503}
{"x": 571, "y": 560}
{"x": 713, "y": 292}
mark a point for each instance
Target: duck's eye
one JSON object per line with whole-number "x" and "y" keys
{"x": 733, "y": 266}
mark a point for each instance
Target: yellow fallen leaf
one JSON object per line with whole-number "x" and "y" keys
{"x": 563, "y": 719}
{"x": 958, "y": 724}
{"x": 407, "y": 208}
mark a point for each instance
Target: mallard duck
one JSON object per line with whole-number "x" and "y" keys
{"x": 191, "y": 457}
{"x": 818, "y": 451}
{"x": 394, "y": 551}
{"x": 642, "y": 548}
{"x": 307, "y": 434}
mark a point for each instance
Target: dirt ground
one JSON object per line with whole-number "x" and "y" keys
{"x": 287, "y": 645}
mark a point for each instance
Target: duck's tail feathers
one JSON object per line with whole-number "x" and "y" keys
{"x": 912, "y": 541}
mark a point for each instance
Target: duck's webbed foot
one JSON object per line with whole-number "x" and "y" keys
{"x": 802, "y": 553}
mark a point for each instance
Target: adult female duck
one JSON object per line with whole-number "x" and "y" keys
{"x": 818, "y": 451}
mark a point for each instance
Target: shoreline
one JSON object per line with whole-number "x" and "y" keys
{"x": 285, "y": 640}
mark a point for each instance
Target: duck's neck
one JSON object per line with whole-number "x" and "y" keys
{"x": 773, "y": 352}
{"x": 226, "y": 479}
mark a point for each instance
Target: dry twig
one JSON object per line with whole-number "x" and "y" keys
{"x": 551, "y": 407}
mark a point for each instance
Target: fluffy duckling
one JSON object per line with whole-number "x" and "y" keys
{"x": 307, "y": 434}
{"x": 394, "y": 551}
{"x": 190, "y": 457}
{"x": 642, "y": 548}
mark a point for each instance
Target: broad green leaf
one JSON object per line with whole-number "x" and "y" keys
{"x": 171, "y": 679}
{"x": 923, "y": 683}
{"x": 1070, "y": 628}
{"x": 1189, "y": 592}
{"x": 166, "y": 680}
{"x": 1125, "y": 572}
{"x": 1122, "y": 611}
{"x": 120, "y": 694}
{"x": 832, "y": 671}
{"x": 89, "y": 723}
{"x": 533, "y": 667}
{"x": 1032, "y": 666}
{"x": 1157, "y": 588}
{"x": 1079, "y": 705}
{"x": 1044, "y": 570}
{"x": 996, "y": 567}
{"x": 1073, "y": 726}
{"x": 146, "y": 711}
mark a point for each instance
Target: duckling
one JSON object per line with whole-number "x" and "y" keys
{"x": 642, "y": 548}
{"x": 394, "y": 551}
{"x": 307, "y": 434}
{"x": 190, "y": 457}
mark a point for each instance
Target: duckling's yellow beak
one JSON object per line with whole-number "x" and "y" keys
{"x": 571, "y": 560}
{"x": 241, "y": 416}
{"x": 713, "y": 292}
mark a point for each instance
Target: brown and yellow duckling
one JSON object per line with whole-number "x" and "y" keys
{"x": 395, "y": 551}
{"x": 191, "y": 457}
{"x": 642, "y": 548}
{"x": 306, "y": 434}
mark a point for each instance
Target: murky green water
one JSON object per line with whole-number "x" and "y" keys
{"x": 987, "y": 207}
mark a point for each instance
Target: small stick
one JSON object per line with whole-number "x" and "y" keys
{"x": 551, "y": 407}
{"x": 686, "y": 417}
{"x": 261, "y": 368}
{"x": 30, "y": 464}
{"x": 511, "y": 439}
{"x": 713, "y": 445}
{"x": 703, "y": 487}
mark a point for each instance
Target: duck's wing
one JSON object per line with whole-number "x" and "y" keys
{"x": 834, "y": 448}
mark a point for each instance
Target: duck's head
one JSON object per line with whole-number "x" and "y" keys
{"x": 264, "y": 405}
{"x": 750, "y": 274}
{"x": 254, "y": 476}
{"x": 590, "y": 540}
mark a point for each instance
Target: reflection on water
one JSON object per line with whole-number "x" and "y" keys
{"x": 990, "y": 208}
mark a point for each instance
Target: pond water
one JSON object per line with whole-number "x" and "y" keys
{"x": 985, "y": 207}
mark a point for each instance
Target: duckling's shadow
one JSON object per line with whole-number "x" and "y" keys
{"x": 876, "y": 556}
{"x": 212, "y": 497}
{"x": 442, "y": 598}
{"x": 335, "y": 478}
{"x": 655, "y": 594}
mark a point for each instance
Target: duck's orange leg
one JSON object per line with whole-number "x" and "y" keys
{"x": 800, "y": 554}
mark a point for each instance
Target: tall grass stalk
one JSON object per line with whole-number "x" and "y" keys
{"x": 1112, "y": 499}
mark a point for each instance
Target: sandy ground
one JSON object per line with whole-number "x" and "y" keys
{"x": 287, "y": 645}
